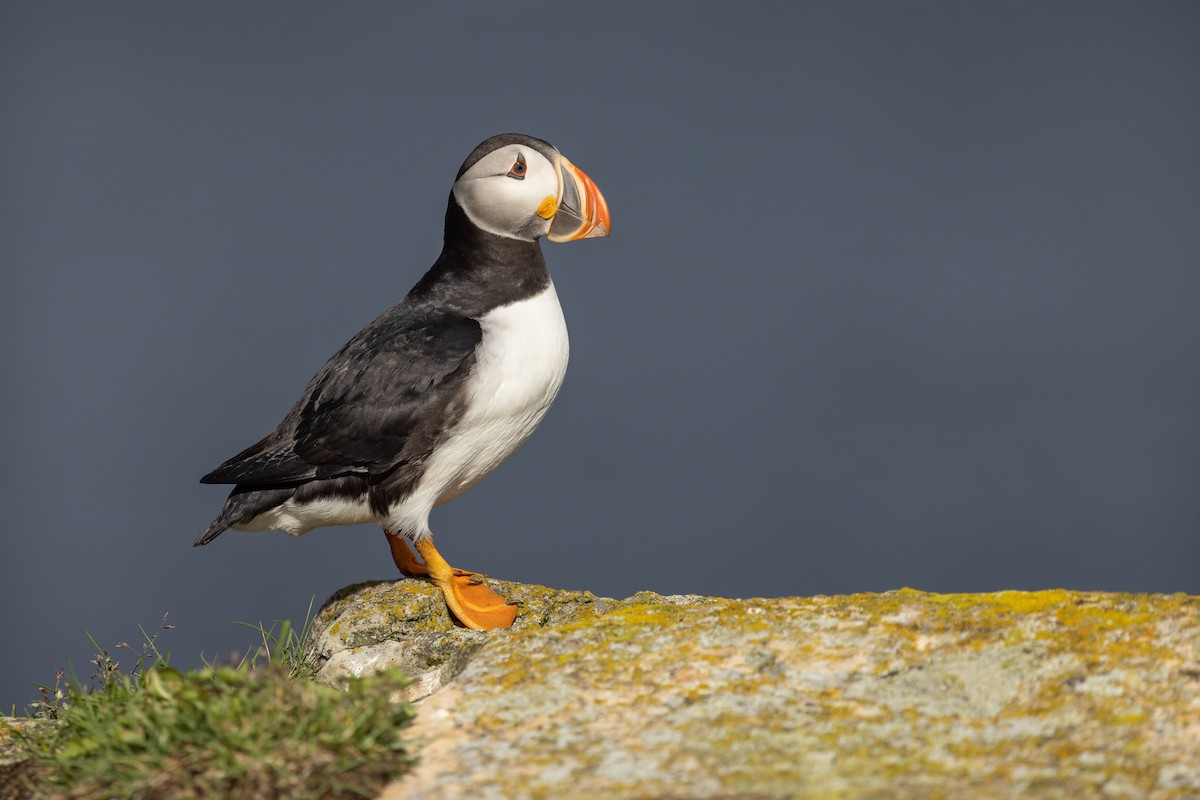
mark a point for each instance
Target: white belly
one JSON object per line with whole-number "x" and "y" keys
{"x": 299, "y": 518}
{"x": 519, "y": 368}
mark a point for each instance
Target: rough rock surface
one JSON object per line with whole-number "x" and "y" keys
{"x": 896, "y": 695}
{"x": 16, "y": 768}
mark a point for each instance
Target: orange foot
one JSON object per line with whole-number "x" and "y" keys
{"x": 471, "y": 602}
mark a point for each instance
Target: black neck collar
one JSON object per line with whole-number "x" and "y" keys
{"x": 478, "y": 271}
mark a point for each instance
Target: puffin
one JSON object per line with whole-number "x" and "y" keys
{"x": 440, "y": 389}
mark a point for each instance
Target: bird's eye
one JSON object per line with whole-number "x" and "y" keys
{"x": 518, "y": 168}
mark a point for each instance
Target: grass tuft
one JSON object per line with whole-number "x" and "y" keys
{"x": 224, "y": 732}
{"x": 255, "y": 727}
{"x": 285, "y": 647}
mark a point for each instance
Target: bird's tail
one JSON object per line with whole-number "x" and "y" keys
{"x": 244, "y": 504}
{"x": 218, "y": 526}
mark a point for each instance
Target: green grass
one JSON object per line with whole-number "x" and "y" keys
{"x": 285, "y": 647}
{"x": 249, "y": 729}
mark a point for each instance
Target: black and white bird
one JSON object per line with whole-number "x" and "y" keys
{"x": 438, "y": 391}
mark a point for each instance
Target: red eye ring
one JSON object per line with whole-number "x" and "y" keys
{"x": 519, "y": 168}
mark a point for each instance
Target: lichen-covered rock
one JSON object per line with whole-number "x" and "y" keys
{"x": 370, "y": 626}
{"x": 16, "y": 765}
{"x": 896, "y": 695}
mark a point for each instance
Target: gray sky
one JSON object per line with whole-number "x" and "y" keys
{"x": 897, "y": 295}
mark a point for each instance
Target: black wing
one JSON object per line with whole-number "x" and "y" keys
{"x": 357, "y": 413}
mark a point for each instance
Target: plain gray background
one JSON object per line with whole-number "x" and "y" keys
{"x": 897, "y": 295}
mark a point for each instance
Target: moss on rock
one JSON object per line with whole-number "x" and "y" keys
{"x": 900, "y": 694}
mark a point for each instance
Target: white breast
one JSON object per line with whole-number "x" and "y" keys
{"x": 519, "y": 368}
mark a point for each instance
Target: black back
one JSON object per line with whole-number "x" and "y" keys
{"x": 369, "y": 419}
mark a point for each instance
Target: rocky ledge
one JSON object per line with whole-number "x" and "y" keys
{"x": 899, "y": 695}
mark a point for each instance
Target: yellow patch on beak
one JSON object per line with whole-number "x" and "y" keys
{"x": 547, "y": 208}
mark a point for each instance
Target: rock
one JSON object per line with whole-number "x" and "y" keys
{"x": 899, "y": 695}
{"x": 371, "y": 626}
{"x": 16, "y": 767}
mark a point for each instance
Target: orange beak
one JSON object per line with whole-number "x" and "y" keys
{"x": 582, "y": 212}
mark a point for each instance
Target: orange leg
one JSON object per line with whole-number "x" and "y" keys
{"x": 470, "y": 601}
{"x": 406, "y": 560}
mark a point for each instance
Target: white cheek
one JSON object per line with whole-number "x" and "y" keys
{"x": 505, "y": 206}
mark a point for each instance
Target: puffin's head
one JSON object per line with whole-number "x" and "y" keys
{"x": 520, "y": 187}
